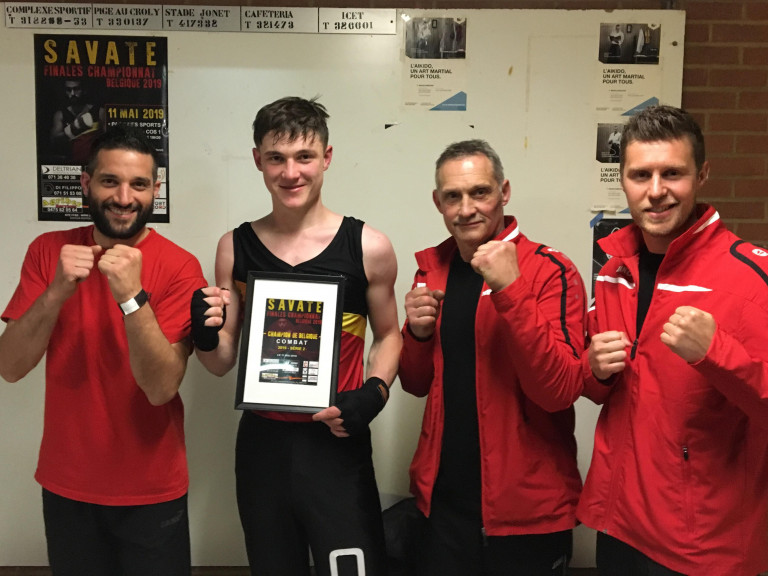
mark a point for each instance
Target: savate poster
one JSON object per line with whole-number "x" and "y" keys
{"x": 84, "y": 84}
{"x": 290, "y": 352}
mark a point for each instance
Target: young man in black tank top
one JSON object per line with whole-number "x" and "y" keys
{"x": 493, "y": 336}
{"x": 307, "y": 480}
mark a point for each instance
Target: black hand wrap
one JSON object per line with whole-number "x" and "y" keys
{"x": 359, "y": 407}
{"x": 206, "y": 338}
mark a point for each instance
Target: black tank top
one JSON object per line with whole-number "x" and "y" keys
{"x": 344, "y": 256}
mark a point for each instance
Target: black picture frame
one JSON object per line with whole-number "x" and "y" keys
{"x": 289, "y": 348}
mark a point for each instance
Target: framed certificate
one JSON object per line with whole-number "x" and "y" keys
{"x": 289, "y": 349}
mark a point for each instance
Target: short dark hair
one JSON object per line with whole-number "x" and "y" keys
{"x": 121, "y": 138}
{"x": 663, "y": 123}
{"x": 470, "y": 148}
{"x": 292, "y": 117}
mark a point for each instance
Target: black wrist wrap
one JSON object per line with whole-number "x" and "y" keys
{"x": 206, "y": 338}
{"x": 359, "y": 407}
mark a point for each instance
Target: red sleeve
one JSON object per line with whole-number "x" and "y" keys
{"x": 416, "y": 364}
{"x": 594, "y": 389}
{"x": 547, "y": 321}
{"x": 737, "y": 364}
{"x": 35, "y": 277}
{"x": 171, "y": 305}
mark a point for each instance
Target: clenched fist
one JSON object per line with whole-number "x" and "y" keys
{"x": 121, "y": 265}
{"x": 75, "y": 265}
{"x": 608, "y": 353}
{"x": 496, "y": 262}
{"x": 422, "y": 307}
{"x": 689, "y": 332}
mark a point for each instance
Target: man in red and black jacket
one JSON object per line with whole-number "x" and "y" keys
{"x": 494, "y": 333}
{"x": 679, "y": 359}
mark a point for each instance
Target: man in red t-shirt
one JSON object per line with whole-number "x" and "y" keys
{"x": 108, "y": 305}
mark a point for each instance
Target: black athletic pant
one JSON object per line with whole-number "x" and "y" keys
{"x": 456, "y": 546}
{"x": 615, "y": 558}
{"x": 299, "y": 486}
{"x": 92, "y": 540}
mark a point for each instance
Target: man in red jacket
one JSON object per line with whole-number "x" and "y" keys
{"x": 494, "y": 332}
{"x": 679, "y": 358}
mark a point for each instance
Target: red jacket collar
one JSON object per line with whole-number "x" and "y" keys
{"x": 627, "y": 241}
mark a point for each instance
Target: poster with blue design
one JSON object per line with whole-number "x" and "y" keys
{"x": 434, "y": 71}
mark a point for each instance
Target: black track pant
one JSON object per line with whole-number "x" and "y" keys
{"x": 92, "y": 540}
{"x": 298, "y": 485}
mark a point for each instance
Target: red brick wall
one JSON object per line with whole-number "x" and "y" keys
{"x": 725, "y": 84}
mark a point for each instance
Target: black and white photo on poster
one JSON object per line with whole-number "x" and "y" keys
{"x": 608, "y": 148}
{"x": 633, "y": 43}
{"x": 435, "y": 37}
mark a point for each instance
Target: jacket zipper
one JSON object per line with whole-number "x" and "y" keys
{"x": 687, "y": 501}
